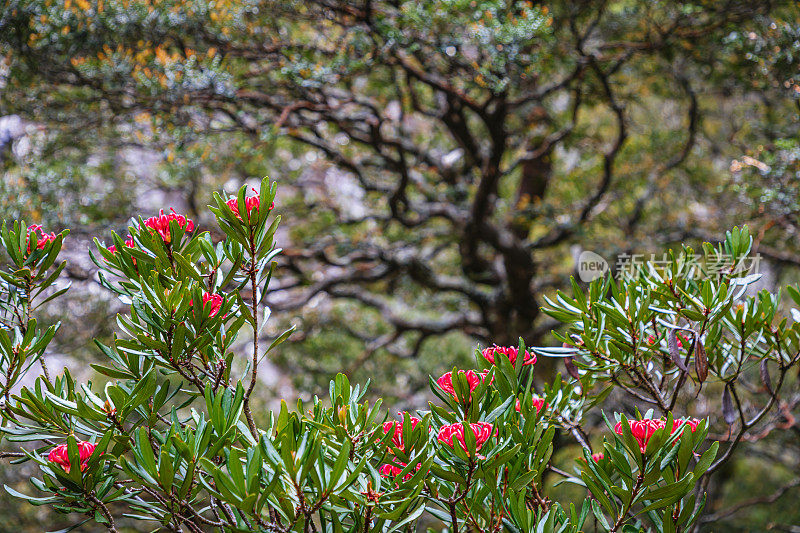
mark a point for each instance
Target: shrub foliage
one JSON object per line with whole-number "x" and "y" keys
{"x": 172, "y": 438}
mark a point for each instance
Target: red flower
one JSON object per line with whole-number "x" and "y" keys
{"x": 391, "y": 470}
{"x": 42, "y": 238}
{"x": 215, "y": 300}
{"x": 128, "y": 243}
{"x": 216, "y": 303}
{"x": 597, "y": 457}
{"x": 59, "y": 455}
{"x": 253, "y": 202}
{"x": 652, "y": 339}
{"x": 453, "y": 433}
{"x": 473, "y": 378}
{"x": 396, "y": 428}
{"x": 538, "y": 403}
{"x": 161, "y": 222}
{"x": 688, "y": 422}
{"x": 642, "y": 430}
{"x": 509, "y": 351}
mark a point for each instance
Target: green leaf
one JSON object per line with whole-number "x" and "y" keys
{"x": 144, "y": 451}
{"x": 598, "y": 513}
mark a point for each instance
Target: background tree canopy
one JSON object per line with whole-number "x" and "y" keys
{"x": 442, "y": 163}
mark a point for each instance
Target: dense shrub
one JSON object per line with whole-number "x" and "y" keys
{"x": 172, "y": 438}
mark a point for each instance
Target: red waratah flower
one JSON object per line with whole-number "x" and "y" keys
{"x": 538, "y": 403}
{"x": 160, "y": 223}
{"x": 597, "y": 457}
{"x": 42, "y": 238}
{"x": 396, "y": 428}
{"x": 688, "y": 422}
{"x": 652, "y": 339}
{"x": 473, "y": 378}
{"x": 509, "y": 351}
{"x": 391, "y": 470}
{"x": 128, "y": 243}
{"x": 453, "y": 433}
{"x": 60, "y": 456}
{"x": 642, "y": 430}
{"x": 252, "y": 202}
{"x": 212, "y": 301}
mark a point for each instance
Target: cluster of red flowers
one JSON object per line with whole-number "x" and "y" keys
{"x": 509, "y": 351}
{"x": 252, "y": 202}
{"x": 214, "y": 301}
{"x": 679, "y": 338}
{"x": 473, "y": 379}
{"x": 160, "y": 223}
{"x": 128, "y": 242}
{"x": 644, "y": 429}
{"x": 538, "y": 403}
{"x": 395, "y": 428}
{"x": 391, "y": 470}
{"x": 60, "y": 456}
{"x": 454, "y": 433}
{"x": 42, "y": 238}
{"x": 597, "y": 457}
{"x": 690, "y": 422}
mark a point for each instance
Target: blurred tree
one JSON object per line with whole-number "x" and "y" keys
{"x": 469, "y": 145}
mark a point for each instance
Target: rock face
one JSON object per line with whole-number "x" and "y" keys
{"x": 12, "y": 129}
